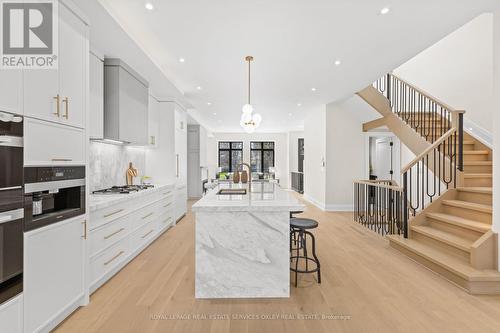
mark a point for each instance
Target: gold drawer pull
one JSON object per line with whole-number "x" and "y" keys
{"x": 116, "y": 212}
{"x": 145, "y": 217}
{"x": 146, "y": 235}
{"x": 112, "y": 259}
{"x": 58, "y": 106}
{"x": 84, "y": 229}
{"x": 66, "y": 103}
{"x": 62, "y": 160}
{"x": 114, "y": 233}
{"x": 167, "y": 205}
{"x": 167, "y": 193}
{"x": 167, "y": 220}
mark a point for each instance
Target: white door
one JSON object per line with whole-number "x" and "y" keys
{"x": 41, "y": 94}
{"x": 11, "y": 91}
{"x": 384, "y": 159}
{"x": 53, "y": 273}
{"x": 72, "y": 67}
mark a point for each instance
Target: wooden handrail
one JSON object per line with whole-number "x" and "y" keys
{"x": 429, "y": 149}
{"x": 429, "y": 96}
{"x": 370, "y": 183}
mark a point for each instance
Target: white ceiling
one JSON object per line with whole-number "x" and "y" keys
{"x": 295, "y": 44}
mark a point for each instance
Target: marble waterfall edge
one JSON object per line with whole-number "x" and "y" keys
{"x": 242, "y": 254}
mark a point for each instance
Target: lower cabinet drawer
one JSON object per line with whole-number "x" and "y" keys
{"x": 108, "y": 234}
{"x": 106, "y": 261}
{"x": 166, "y": 220}
{"x": 142, "y": 235}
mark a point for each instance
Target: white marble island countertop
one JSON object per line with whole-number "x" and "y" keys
{"x": 262, "y": 196}
{"x": 100, "y": 201}
{"x": 242, "y": 242}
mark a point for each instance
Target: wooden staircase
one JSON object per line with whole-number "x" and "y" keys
{"x": 452, "y": 235}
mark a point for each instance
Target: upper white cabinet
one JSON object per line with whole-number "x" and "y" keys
{"x": 126, "y": 99}
{"x": 11, "y": 91}
{"x": 154, "y": 121}
{"x": 96, "y": 77}
{"x": 47, "y": 143}
{"x": 59, "y": 95}
{"x": 53, "y": 273}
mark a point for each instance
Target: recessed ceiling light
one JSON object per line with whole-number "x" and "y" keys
{"x": 209, "y": 103}
{"x": 313, "y": 89}
{"x": 199, "y": 88}
{"x": 149, "y": 6}
{"x": 337, "y": 62}
{"x": 182, "y": 60}
{"x": 299, "y": 104}
{"x": 385, "y": 10}
{"x": 290, "y": 114}
{"x": 215, "y": 113}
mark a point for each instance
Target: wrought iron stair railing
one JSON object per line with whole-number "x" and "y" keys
{"x": 428, "y": 175}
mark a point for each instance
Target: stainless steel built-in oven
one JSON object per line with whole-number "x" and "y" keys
{"x": 11, "y": 205}
{"x": 52, "y": 194}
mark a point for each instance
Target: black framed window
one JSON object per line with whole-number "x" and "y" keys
{"x": 230, "y": 155}
{"x": 261, "y": 156}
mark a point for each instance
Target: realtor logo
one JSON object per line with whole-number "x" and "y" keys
{"x": 29, "y": 34}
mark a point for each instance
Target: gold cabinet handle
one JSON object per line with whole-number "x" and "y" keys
{"x": 66, "y": 104}
{"x": 84, "y": 229}
{"x": 177, "y": 165}
{"x": 58, "y": 105}
{"x": 153, "y": 140}
{"x": 167, "y": 205}
{"x": 113, "y": 213}
{"x": 62, "y": 160}
{"x": 149, "y": 232}
{"x": 112, "y": 259}
{"x": 114, "y": 233}
{"x": 165, "y": 221}
{"x": 167, "y": 193}
{"x": 145, "y": 217}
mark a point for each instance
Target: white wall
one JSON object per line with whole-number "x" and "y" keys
{"x": 458, "y": 70}
{"x": 345, "y": 151}
{"x": 315, "y": 157}
{"x": 280, "y": 151}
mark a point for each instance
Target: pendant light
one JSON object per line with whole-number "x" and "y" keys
{"x": 249, "y": 120}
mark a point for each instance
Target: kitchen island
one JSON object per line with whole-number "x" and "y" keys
{"x": 242, "y": 241}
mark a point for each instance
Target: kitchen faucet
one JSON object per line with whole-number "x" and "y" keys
{"x": 249, "y": 172}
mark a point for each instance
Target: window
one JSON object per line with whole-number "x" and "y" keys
{"x": 230, "y": 155}
{"x": 261, "y": 156}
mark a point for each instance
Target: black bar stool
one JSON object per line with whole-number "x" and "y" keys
{"x": 300, "y": 232}
{"x": 293, "y": 239}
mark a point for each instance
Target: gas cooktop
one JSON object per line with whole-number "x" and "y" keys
{"x": 126, "y": 189}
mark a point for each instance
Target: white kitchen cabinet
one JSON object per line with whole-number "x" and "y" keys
{"x": 11, "y": 315}
{"x": 181, "y": 197}
{"x": 11, "y": 91}
{"x": 193, "y": 162}
{"x": 59, "y": 95}
{"x": 153, "y": 122}
{"x": 47, "y": 143}
{"x": 53, "y": 273}
{"x": 96, "y": 110}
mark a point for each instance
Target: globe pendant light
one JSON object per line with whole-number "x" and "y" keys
{"x": 249, "y": 121}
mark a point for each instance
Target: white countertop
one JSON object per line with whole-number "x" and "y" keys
{"x": 264, "y": 196}
{"x": 100, "y": 201}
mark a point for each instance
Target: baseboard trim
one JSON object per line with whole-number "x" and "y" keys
{"x": 484, "y": 136}
{"x": 316, "y": 203}
{"x": 339, "y": 208}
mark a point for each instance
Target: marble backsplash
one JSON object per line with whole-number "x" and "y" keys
{"x": 109, "y": 163}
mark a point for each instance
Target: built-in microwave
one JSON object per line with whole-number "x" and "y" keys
{"x": 52, "y": 195}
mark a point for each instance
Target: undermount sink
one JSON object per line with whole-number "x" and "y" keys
{"x": 232, "y": 191}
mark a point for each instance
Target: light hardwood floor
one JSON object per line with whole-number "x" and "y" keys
{"x": 362, "y": 277}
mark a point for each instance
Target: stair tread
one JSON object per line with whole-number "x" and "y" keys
{"x": 460, "y": 221}
{"x": 469, "y": 205}
{"x": 445, "y": 237}
{"x": 449, "y": 262}
{"x": 478, "y": 175}
{"x": 487, "y": 163}
{"x": 485, "y": 190}
{"x": 476, "y": 152}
